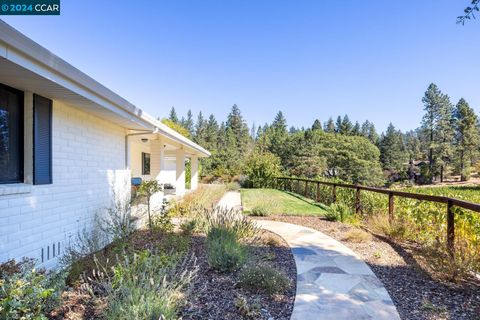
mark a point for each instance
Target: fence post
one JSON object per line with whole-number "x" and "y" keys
{"x": 357, "y": 200}
{"x": 450, "y": 228}
{"x": 390, "y": 207}
{"x": 297, "y": 189}
{"x": 334, "y": 193}
{"x": 318, "y": 191}
{"x": 306, "y": 189}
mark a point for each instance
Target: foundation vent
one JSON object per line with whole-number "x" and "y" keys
{"x": 51, "y": 251}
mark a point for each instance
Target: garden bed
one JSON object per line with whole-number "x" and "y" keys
{"x": 210, "y": 295}
{"x": 217, "y": 295}
{"x": 416, "y": 293}
{"x": 78, "y": 304}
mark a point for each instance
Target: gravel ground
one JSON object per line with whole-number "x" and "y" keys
{"x": 214, "y": 295}
{"x": 415, "y": 294}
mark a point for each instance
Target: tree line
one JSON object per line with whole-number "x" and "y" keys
{"x": 446, "y": 142}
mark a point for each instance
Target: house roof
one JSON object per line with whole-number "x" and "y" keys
{"x": 29, "y": 66}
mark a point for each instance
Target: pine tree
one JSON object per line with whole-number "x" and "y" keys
{"x": 412, "y": 145}
{"x": 200, "y": 129}
{"x": 253, "y": 131}
{"x": 173, "y": 115}
{"x": 329, "y": 126}
{"x": 392, "y": 150}
{"x": 279, "y": 124}
{"x": 211, "y": 134}
{"x": 372, "y": 134}
{"x": 343, "y": 126}
{"x": 365, "y": 128}
{"x": 356, "y": 129}
{"x": 222, "y": 139}
{"x": 317, "y": 125}
{"x": 368, "y": 131}
{"x": 338, "y": 125}
{"x": 467, "y": 137}
{"x": 437, "y": 123}
{"x": 188, "y": 122}
{"x": 278, "y": 134}
{"x": 239, "y": 128}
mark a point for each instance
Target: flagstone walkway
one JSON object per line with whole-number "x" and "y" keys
{"x": 230, "y": 200}
{"x": 332, "y": 281}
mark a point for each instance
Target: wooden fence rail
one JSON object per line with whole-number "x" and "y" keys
{"x": 285, "y": 183}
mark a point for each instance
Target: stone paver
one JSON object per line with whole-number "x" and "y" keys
{"x": 332, "y": 281}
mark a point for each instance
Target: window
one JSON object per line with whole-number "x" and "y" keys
{"x": 11, "y": 135}
{"x": 145, "y": 163}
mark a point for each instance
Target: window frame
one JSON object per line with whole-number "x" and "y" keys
{"x": 144, "y": 172}
{"x": 21, "y": 137}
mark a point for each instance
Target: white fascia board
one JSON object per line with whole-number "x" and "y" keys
{"x": 33, "y": 66}
{"x": 165, "y": 130}
{"x": 23, "y": 51}
{"x": 19, "y": 49}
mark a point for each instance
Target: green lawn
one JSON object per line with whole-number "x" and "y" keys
{"x": 279, "y": 202}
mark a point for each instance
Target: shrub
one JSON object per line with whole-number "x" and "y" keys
{"x": 247, "y": 310}
{"x": 453, "y": 268}
{"x": 338, "y": 212}
{"x": 244, "y": 228}
{"x": 264, "y": 278}
{"x": 272, "y": 242}
{"x": 224, "y": 251}
{"x": 85, "y": 242}
{"x": 27, "y": 293}
{"x": 394, "y": 229}
{"x": 259, "y": 211}
{"x": 161, "y": 221}
{"x": 233, "y": 186}
{"x": 117, "y": 222}
{"x": 188, "y": 227}
{"x": 357, "y": 235}
{"x": 262, "y": 168}
{"x": 147, "y": 286}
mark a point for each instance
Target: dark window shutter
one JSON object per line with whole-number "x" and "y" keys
{"x": 42, "y": 140}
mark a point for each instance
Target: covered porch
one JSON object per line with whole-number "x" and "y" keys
{"x": 156, "y": 156}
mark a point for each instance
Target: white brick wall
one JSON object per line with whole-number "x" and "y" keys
{"x": 88, "y": 159}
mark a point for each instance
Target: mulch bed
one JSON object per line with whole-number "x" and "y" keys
{"x": 415, "y": 293}
{"x": 215, "y": 295}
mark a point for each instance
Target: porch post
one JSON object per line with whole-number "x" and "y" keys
{"x": 180, "y": 168}
{"x": 157, "y": 159}
{"x": 194, "y": 173}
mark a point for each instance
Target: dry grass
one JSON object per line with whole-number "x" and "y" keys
{"x": 205, "y": 197}
{"x": 271, "y": 241}
{"x": 380, "y": 224}
{"x": 357, "y": 235}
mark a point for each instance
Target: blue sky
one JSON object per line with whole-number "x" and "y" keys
{"x": 311, "y": 59}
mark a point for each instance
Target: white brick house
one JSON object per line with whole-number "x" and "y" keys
{"x": 66, "y": 143}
